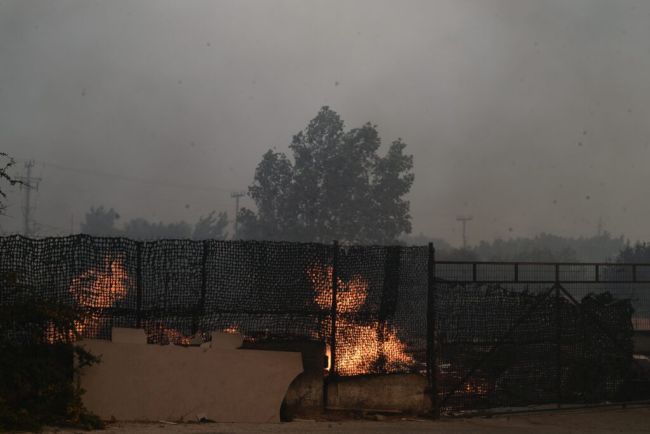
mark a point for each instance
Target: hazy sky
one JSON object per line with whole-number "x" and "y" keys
{"x": 529, "y": 115}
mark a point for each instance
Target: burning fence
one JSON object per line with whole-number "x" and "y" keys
{"x": 95, "y": 290}
{"x": 99, "y": 289}
{"x": 488, "y": 344}
{"x": 363, "y": 346}
{"x": 178, "y": 290}
{"x": 360, "y": 346}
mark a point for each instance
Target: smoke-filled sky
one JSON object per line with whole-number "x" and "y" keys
{"x": 529, "y": 115}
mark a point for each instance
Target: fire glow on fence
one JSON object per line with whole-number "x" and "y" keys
{"x": 96, "y": 289}
{"x": 359, "y": 346}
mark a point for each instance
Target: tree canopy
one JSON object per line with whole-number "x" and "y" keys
{"x": 542, "y": 248}
{"x": 637, "y": 253}
{"x": 336, "y": 187}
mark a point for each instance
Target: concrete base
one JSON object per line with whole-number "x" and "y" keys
{"x": 152, "y": 382}
{"x": 401, "y": 392}
{"x": 641, "y": 341}
{"x": 305, "y": 394}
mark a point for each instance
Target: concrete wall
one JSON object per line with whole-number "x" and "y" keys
{"x": 641, "y": 342}
{"x": 305, "y": 394}
{"x": 136, "y": 381}
{"x": 402, "y": 392}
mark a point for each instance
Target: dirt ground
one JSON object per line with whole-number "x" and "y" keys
{"x": 600, "y": 420}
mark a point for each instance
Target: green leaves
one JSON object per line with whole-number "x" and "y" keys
{"x": 337, "y": 187}
{"x": 37, "y": 351}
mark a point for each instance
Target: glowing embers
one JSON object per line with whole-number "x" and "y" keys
{"x": 232, "y": 330}
{"x": 166, "y": 335}
{"x": 101, "y": 288}
{"x": 97, "y": 289}
{"x": 360, "y": 348}
{"x": 476, "y": 387}
{"x": 160, "y": 334}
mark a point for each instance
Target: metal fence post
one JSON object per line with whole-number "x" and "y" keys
{"x": 335, "y": 278}
{"x": 432, "y": 350}
{"x": 200, "y": 309}
{"x": 333, "y": 308}
{"x": 558, "y": 337}
{"x": 583, "y": 352}
{"x": 138, "y": 287}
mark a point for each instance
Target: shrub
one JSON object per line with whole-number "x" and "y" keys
{"x": 39, "y": 360}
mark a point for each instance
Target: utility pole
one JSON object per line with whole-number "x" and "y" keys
{"x": 28, "y": 182}
{"x": 600, "y": 226}
{"x": 237, "y": 195}
{"x": 464, "y": 220}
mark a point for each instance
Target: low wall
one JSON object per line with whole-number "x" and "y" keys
{"x": 217, "y": 381}
{"x": 402, "y": 392}
{"x": 406, "y": 393}
{"x": 305, "y": 394}
{"x": 641, "y": 341}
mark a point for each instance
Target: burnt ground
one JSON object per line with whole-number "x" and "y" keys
{"x": 599, "y": 420}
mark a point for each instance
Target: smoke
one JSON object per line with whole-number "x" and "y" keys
{"x": 530, "y": 116}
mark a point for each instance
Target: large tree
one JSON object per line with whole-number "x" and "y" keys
{"x": 101, "y": 222}
{"x": 211, "y": 227}
{"x": 336, "y": 187}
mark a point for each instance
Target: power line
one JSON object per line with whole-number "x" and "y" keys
{"x": 45, "y": 225}
{"x": 136, "y": 179}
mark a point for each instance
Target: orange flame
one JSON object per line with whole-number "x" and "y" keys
{"x": 360, "y": 347}
{"x": 475, "y": 387}
{"x": 96, "y": 289}
{"x": 350, "y": 296}
{"x": 231, "y": 330}
{"x": 101, "y": 288}
{"x": 171, "y": 336}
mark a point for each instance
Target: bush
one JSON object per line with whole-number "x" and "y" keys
{"x": 37, "y": 361}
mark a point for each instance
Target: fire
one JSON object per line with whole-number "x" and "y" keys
{"x": 53, "y": 335}
{"x": 359, "y": 346}
{"x": 350, "y": 295}
{"x": 101, "y": 288}
{"x": 231, "y": 330}
{"x": 168, "y": 336}
{"x": 475, "y": 387}
{"x": 97, "y": 289}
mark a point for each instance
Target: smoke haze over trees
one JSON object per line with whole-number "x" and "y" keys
{"x": 541, "y": 248}
{"x": 530, "y": 116}
{"x": 336, "y": 187}
{"x": 104, "y": 223}
{"x": 637, "y": 253}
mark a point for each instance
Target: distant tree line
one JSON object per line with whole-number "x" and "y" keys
{"x": 637, "y": 253}
{"x": 103, "y": 222}
{"x": 541, "y": 248}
